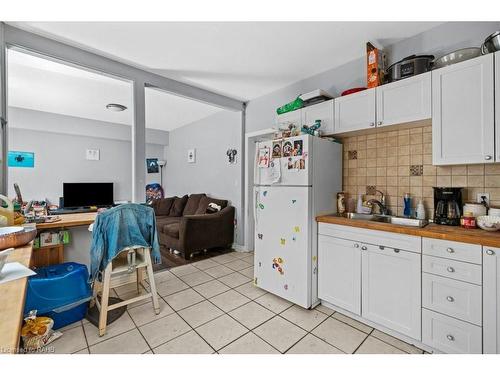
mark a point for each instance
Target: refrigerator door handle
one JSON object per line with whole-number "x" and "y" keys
{"x": 256, "y": 205}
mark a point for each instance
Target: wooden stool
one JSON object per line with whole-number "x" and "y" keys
{"x": 126, "y": 268}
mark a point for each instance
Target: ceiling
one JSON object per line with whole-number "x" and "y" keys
{"x": 43, "y": 85}
{"x": 243, "y": 60}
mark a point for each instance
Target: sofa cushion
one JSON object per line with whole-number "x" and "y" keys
{"x": 205, "y": 201}
{"x": 172, "y": 230}
{"x": 161, "y": 221}
{"x": 192, "y": 204}
{"x": 178, "y": 206}
{"x": 162, "y": 206}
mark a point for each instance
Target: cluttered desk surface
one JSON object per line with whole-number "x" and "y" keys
{"x": 69, "y": 220}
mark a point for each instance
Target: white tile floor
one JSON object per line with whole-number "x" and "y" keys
{"x": 212, "y": 306}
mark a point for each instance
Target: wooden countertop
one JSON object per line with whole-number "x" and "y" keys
{"x": 442, "y": 232}
{"x": 70, "y": 220}
{"x": 13, "y": 295}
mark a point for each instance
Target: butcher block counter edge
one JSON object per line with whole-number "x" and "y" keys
{"x": 13, "y": 295}
{"x": 70, "y": 220}
{"x": 441, "y": 232}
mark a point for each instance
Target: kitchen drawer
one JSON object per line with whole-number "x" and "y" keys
{"x": 452, "y": 250}
{"x": 450, "y": 335}
{"x": 451, "y": 297}
{"x": 453, "y": 269}
{"x": 374, "y": 237}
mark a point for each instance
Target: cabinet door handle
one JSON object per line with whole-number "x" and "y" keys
{"x": 450, "y": 337}
{"x": 372, "y": 124}
{"x": 450, "y": 269}
{"x": 381, "y": 247}
{"x": 356, "y": 245}
{"x": 450, "y": 299}
{"x": 487, "y": 157}
{"x": 450, "y": 250}
{"x": 490, "y": 252}
{"x": 379, "y": 123}
{"x": 396, "y": 250}
{"x": 364, "y": 248}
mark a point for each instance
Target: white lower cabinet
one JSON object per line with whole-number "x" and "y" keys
{"x": 339, "y": 273}
{"x": 391, "y": 289}
{"x": 450, "y": 335}
{"x": 491, "y": 293}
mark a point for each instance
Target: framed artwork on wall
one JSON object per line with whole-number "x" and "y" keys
{"x": 21, "y": 159}
{"x": 192, "y": 155}
{"x": 152, "y": 165}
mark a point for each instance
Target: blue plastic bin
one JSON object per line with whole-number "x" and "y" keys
{"x": 61, "y": 292}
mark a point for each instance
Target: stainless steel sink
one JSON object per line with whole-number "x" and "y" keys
{"x": 397, "y": 220}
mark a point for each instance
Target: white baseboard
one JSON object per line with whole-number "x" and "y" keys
{"x": 241, "y": 248}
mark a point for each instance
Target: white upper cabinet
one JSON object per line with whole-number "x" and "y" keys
{"x": 355, "y": 111}
{"x": 339, "y": 272}
{"x": 293, "y": 117}
{"x": 497, "y": 105}
{"x": 491, "y": 300}
{"x": 391, "y": 289}
{"x": 404, "y": 101}
{"x": 321, "y": 111}
{"x": 463, "y": 112}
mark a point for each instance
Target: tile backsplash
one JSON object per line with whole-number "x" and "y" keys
{"x": 400, "y": 161}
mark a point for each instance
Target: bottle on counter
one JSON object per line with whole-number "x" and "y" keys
{"x": 407, "y": 205}
{"x": 468, "y": 221}
{"x": 420, "y": 210}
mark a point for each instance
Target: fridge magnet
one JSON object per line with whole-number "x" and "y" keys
{"x": 296, "y": 165}
{"x": 277, "y": 149}
{"x": 287, "y": 149}
{"x": 261, "y": 206}
{"x": 294, "y": 238}
{"x": 302, "y": 164}
{"x": 290, "y": 163}
{"x": 264, "y": 158}
{"x": 285, "y": 286}
{"x": 296, "y": 229}
{"x": 294, "y": 201}
{"x": 152, "y": 165}
{"x": 278, "y": 265}
{"x": 260, "y": 235}
{"x": 264, "y": 193}
{"x": 297, "y": 147}
{"x": 282, "y": 241}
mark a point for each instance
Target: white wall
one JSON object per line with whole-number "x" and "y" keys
{"x": 59, "y": 143}
{"x": 211, "y": 174}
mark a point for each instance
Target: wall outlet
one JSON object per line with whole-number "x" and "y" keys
{"x": 92, "y": 154}
{"x": 479, "y": 198}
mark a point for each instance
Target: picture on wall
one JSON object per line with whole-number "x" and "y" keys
{"x": 21, "y": 159}
{"x": 152, "y": 165}
{"x": 192, "y": 155}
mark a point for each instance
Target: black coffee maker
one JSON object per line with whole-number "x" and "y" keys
{"x": 447, "y": 205}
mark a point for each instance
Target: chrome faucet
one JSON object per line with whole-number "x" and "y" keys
{"x": 380, "y": 203}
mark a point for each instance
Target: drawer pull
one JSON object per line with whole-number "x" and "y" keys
{"x": 450, "y": 250}
{"x": 450, "y": 269}
{"x": 396, "y": 250}
{"x": 381, "y": 247}
{"x": 450, "y": 299}
{"x": 450, "y": 337}
{"x": 364, "y": 248}
{"x": 356, "y": 245}
{"x": 490, "y": 252}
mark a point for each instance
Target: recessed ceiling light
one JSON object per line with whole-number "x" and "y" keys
{"x": 116, "y": 107}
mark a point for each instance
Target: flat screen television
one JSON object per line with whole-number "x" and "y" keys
{"x": 86, "y": 194}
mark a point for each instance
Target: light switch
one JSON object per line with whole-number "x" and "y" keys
{"x": 92, "y": 154}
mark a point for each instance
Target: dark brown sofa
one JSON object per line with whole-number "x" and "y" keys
{"x": 184, "y": 224}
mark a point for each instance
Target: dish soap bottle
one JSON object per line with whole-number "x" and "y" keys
{"x": 359, "y": 207}
{"x": 407, "y": 205}
{"x": 6, "y": 210}
{"x": 420, "y": 210}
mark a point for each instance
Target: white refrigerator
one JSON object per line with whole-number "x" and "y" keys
{"x": 295, "y": 180}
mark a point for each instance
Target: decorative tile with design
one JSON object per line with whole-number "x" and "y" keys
{"x": 416, "y": 170}
{"x": 352, "y": 155}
